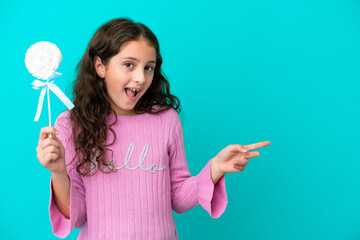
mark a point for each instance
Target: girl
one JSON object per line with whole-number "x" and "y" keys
{"x": 117, "y": 160}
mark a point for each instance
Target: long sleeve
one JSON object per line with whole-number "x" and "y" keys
{"x": 61, "y": 225}
{"x": 189, "y": 191}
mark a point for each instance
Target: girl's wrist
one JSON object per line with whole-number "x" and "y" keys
{"x": 215, "y": 171}
{"x": 59, "y": 174}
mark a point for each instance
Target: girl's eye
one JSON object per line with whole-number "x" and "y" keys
{"x": 127, "y": 64}
{"x": 151, "y": 69}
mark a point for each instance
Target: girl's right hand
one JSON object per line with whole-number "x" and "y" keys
{"x": 50, "y": 151}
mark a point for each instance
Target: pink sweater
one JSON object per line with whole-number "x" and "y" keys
{"x": 151, "y": 180}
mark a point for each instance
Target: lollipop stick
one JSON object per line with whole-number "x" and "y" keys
{"x": 49, "y": 110}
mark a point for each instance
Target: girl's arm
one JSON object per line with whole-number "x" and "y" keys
{"x": 61, "y": 192}
{"x": 51, "y": 154}
{"x": 189, "y": 191}
{"x": 67, "y": 208}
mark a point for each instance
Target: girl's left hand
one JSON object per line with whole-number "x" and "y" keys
{"x": 234, "y": 158}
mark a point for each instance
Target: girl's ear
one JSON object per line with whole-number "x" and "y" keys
{"x": 99, "y": 67}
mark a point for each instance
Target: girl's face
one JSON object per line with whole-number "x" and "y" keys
{"x": 133, "y": 67}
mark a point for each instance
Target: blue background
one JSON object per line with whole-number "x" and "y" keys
{"x": 244, "y": 71}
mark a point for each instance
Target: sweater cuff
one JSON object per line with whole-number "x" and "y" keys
{"x": 61, "y": 225}
{"x": 212, "y": 197}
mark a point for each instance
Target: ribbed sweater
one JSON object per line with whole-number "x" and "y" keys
{"x": 152, "y": 178}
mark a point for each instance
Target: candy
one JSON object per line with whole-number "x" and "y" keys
{"x": 42, "y": 59}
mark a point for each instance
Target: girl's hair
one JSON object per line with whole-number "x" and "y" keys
{"x": 92, "y": 102}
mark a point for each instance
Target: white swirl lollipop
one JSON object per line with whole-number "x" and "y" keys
{"x": 42, "y": 59}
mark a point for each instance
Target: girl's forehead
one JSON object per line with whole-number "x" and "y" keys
{"x": 138, "y": 49}
{"x": 136, "y": 45}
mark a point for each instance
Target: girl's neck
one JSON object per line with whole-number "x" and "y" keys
{"x": 129, "y": 115}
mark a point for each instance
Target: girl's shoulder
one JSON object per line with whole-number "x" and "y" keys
{"x": 63, "y": 120}
{"x": 65, "y": 115}
{"x": 170, "y": 112}
{"x": 171, "y": 117}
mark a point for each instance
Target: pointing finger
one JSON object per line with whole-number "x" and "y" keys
{"x": 257, "y": 145}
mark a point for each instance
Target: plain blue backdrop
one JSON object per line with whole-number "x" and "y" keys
{"x": 244, "y": 71}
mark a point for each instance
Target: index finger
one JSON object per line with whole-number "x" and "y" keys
{"x": 257, "y": 145}
{"x": 47, "y": 130}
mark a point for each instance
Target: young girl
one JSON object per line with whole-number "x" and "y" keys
{"x": 117, "y": 160}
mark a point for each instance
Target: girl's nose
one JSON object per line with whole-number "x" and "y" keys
{"x": 139, "y": 76}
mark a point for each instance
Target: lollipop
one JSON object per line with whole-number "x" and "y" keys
{"x": 42, "y": 59}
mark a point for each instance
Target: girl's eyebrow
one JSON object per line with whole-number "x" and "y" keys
{"x": 137, "y": 60}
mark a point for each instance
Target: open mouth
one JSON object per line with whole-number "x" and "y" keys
{"x": 131, "y": 93}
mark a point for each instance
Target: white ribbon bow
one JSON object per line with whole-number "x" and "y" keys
{"x": 36, "y": 84}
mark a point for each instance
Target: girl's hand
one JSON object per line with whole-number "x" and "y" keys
{"x": 50, "y": 151}
{"x": 234, "y": 158}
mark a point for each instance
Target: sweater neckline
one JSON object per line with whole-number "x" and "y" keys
{"x": 137, "y": 116}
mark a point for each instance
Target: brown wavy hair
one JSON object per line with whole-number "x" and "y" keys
{"x": 92, "y": 102}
